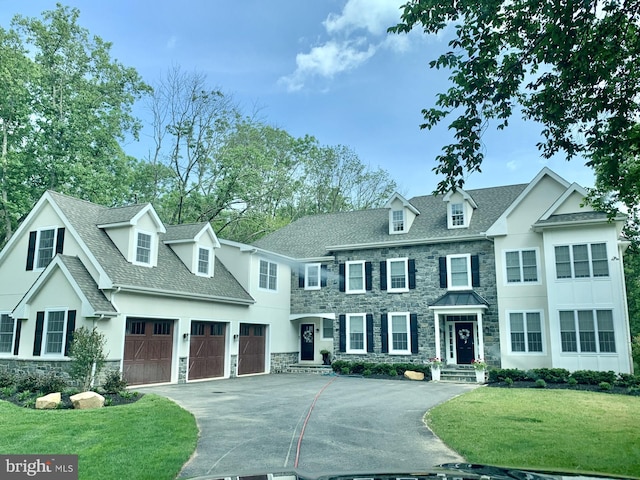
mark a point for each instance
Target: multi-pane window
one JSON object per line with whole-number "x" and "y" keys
{"x": 397, "y": 220}
{"x": 327, "y": 329}
{"x": 457, "y": 214}
{"x": 582, "y": 261}
{"x": 356, "y": 333}
{"x": 312, "y": 276}
{"x": 355, "y": 277}
{"x": 46, "y": 240}
{"x": 459, "y": 271}
{"x": 587, "y": 331}
{"x": 521, "y": 266}
{"x": 397, "y": 274}
{"x": 268, "y": 275}
{"x": 526, "y": 331}
{"x": 6, "y": 333}
{"x": 143, "y": 248}
{"x": 55, "y": 331}
{"x": 399, "y": 333}
{"x": 203, "y": 261}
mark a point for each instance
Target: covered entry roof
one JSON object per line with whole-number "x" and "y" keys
{"x": 467, "y": 298}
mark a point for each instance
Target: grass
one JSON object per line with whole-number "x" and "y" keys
{"x": 543, "y": 429}
{"x": 149, "y": 439}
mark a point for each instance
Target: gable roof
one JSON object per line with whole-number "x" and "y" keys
{"x": 169, "y": 277}
{"x": 319, "y": 235}
{"x": 189, "y": 232}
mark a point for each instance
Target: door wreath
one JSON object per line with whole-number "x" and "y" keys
{"x": 464, "y": 334}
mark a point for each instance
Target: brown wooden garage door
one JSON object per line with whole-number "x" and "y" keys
{"x": 148, "y": 345}
{"x": 206, "y": 351}
{"x": 251, "y": 348}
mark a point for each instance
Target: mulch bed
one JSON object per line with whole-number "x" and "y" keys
{"x": 111, "y": 399}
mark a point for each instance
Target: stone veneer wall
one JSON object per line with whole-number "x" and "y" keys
{"x": 427, "y": 291}
{"x": 46, "y": 367}
{"x": 281, "y": 361}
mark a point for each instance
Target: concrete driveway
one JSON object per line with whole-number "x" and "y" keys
{"x": 319, "y": 424}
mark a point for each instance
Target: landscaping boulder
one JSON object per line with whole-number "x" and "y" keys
{"x": 86, "y": 400}
{"x": 50, "y": 401}
{"x": 411, "y": 375}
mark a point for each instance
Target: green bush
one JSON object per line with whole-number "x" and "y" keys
{"x": 572, "y": 382}
{"x": 499, "y": 374}
{"x": 51, "y": 383}
{"x": 113, "y": 382}
{"x": 338, "y": 365}
{"x": 593, "y": 377}
{"x": 393, "y": 372}
{"x": 7, "y": 379}
{"x": 551, "y": 375}
{"x": 345, "y": 371}
{"x": 508, "y": 381}
{"x": 540, "y": 383}
{"x": 628, "y": 380}
{"x": 605, "y": 386}
{"x": 27, "y": 382}
{"x": 367, "y": 372}
{"x": 87, "y": 355}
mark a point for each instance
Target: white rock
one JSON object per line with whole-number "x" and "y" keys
{"x": 411, "y": 375}
{"x": 86, "y": 400}
{"x": 48, "y": 401}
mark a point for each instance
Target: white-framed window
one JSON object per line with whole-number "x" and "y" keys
{"x": 399, "y": 333}
{"x": 456, "y": 215}
{"x": 459, "y": 272}
{"x": 312, "y": 272}
{"x": 398, "y": 275}
{"x": 356, "y": 333}
{"x": 204, "y": 261}
{"x": 582, "y": 261}
{"x": 55, "y": 330}
{"x": 587, "y": 331}
{"x": 7, "y": 331}
{"x": 268, "y": 275}
{"x": 525, "y": 329}
{"x": 397, "y": 221}
{"x": 45, "y": 247}
{"x": 143, "y": 248}
{"x": 327, "y": 329}
{"x": 355, "y": 277}
{"x": 521, "y": 266}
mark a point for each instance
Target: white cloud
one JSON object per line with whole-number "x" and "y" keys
{"x": 512, "y": 165}
{"x": 355, "y": 35}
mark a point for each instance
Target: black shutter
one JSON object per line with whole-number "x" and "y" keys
{"x": 342, "y": 332}
{"x": 475, "y": 270}
{"x": 301, "y": 276}
{"x": 71, "y": 326}
{"x": 323, "y": 275}
{"x": 369, "y": 332}
{"x": 37, "y": 343}
{"x": 413, "y": 324}
{"x": 412, "y": 274}
{"x": 16, "y": 343}
{"x": 443, "y": 272}
{"x": 341, "y": 277}
{"x": 383, "y": 275}
{"x": 60, "y": 240}
{"x": 31, "y": 252}
{"x": 368, "y": 280}
{"x": 384, "y": 333}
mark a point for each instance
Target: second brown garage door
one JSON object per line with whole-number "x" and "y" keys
{"x": 207, "y": 350}
{"x": 251, "y": 348}
{"x": 148, "y": 346}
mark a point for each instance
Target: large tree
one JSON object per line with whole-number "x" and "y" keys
{"x": 572, "y": 65}
{"x": 66, "y": 107}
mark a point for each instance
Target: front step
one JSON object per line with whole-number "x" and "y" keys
{"x": 458, "y": 374}
{"x": 308, "y": 368}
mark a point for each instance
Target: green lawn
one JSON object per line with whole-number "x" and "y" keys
{"x": 545, "y": 429}
{"x": 149, "y": 439}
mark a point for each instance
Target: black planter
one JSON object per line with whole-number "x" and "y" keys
{"x": 326, "y": 359}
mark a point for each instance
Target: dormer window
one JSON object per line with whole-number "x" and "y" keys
{"x": 143, "y": 248}
{"x": 44, "y": 244}
{"x": 45, "y": 247}
{"x": 457, "y": 215}
{"x": 397, "y": 220}
{"x": 204, "y": 262}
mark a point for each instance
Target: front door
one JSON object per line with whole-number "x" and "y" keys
{"x": 306, "y": 341}
{"x": 465, "y": 350}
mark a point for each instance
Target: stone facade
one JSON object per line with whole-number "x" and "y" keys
{"x": 418, "y": 300}
{"x": 56, "y": 367}
{"x": 280, "y": 361}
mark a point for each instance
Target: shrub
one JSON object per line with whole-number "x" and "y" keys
{"x": 367, "y": 372}
{"x": 634, "y": 391}
{"x": 345, "y": 371}
{"x": 552, "y": 375}
{"x": 338, "y": 365}
{"x": 605, "y": 386}
{"x": 393, "y": 372}
{"x": 593, "y": 377}
{"x": 7, "y": 379}
{"x": 87, "y": 355}
{"x": 7, "y": 391}
{"x": 113, "y": 382}
{"x": 540, "y": 383}
{"x": 499, "y": 374}
{"x": 508, "y": 381}
{"x": 572, "y": 381}
{"x": 27, "y": 382}
{"x": 628, "y": 380}
{"x": 50, "y": 383}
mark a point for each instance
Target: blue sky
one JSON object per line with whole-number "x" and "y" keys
{"x": 325, "y": 68}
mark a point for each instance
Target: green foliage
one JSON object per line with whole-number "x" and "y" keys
{"x": 574, "y": 67}
{"x": 592, "y": 377}
{"x": 51, "y": 383}
{"x": 508, "y": 382}
{"x": 628, "y": 380}
{"x": 604, "y": 386}
{"x": 6, "y": 378}
{"x": 551, "y": 375}
{"x": 367, "y": 368}
{"x": 540, "y": 383}
{"x": 27, "y": 382}
{"x": 499, "y": 375}
{"x": 87, "y": 355}
{"x": 114, "y": 382}
{"x": 635, "y": 352}
{"x": 572, "y": 382}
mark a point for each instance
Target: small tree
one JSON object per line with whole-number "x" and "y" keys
{"x": 87, "y": 355}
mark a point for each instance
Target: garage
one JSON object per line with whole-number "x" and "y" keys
{"x": 148, "y": 346}
{"x": 251, "y": 348}
{"x": 207, "y": 350}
